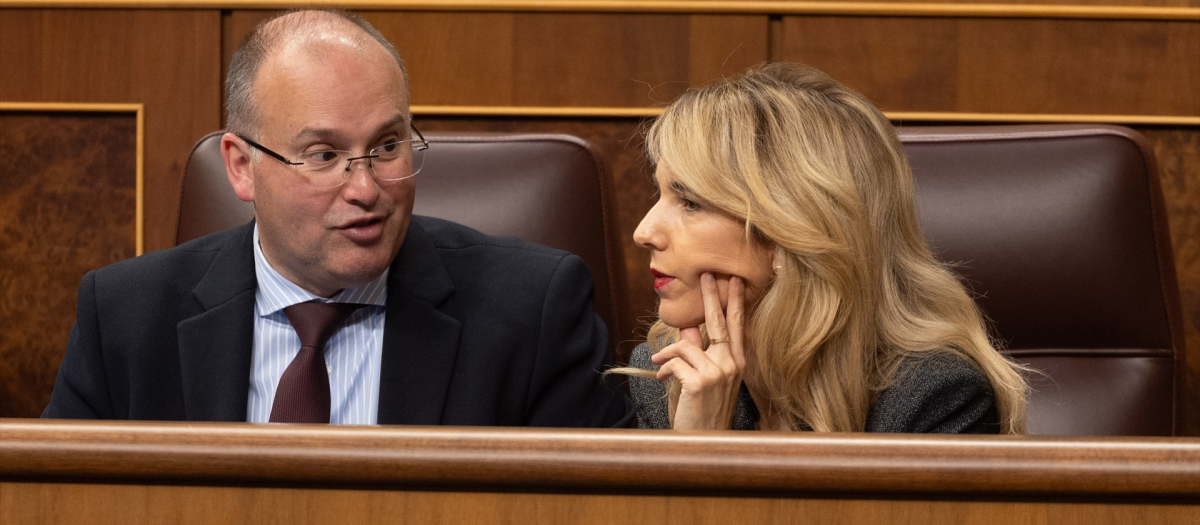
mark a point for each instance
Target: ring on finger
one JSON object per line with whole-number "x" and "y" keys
{"x": 718, "y": 340}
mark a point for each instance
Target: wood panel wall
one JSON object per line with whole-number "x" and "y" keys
{"x": 1109, "y": 66}
{"x": 75, "y": 213}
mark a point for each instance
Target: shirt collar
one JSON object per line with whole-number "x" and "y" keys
{"x": 276, "y": 292}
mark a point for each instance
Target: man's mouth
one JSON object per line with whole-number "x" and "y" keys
{"x": 363, "y": 230}
{"x": 661, "y": 279}
{"x": 362, "y": 223}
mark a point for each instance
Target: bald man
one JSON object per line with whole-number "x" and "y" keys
{"x": 444, "y": 326}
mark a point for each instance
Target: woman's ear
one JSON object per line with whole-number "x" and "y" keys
{"x": 778, "y": 260}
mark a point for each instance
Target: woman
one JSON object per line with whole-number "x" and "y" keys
{"x": 796, "y": 290}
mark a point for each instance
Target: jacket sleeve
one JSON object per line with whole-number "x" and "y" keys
{"x": 649, "y": 395}
{"x": 81, "y": 389}
{"x": 568, "y": 388}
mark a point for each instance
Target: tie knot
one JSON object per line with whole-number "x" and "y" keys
{"x": 315, "y": 322}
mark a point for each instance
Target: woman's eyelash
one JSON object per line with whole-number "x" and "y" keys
{"x": 689, "y": 205}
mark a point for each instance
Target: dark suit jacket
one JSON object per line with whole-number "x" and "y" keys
{"x": 479, "y": 331}
{"x": 938, "y": 393}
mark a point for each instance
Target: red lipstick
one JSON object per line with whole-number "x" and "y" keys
{"x": 660, "y": 279}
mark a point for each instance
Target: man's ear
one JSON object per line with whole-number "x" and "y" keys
{"x": 236, "y": 154}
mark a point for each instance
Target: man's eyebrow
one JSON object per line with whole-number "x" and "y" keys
{"x": 324, "y": 134}
{"x": 400, "y": 120}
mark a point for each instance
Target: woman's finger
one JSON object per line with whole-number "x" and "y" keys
{"x": 674, "y": 368}
{"x": 687, "y": 336}
{"x": 690, "y": 354}
{"x": 735, "y": 318}
{"x": 714, "y": 318}
{"x": 685, "y": 362}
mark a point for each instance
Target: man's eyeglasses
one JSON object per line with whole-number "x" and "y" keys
{"x": 389, "y": 162}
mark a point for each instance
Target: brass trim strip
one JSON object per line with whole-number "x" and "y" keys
{"x": 1047, "y": 118}
{"x": 535, "y": 111}
{"x": 773, "y": 7}
{"x": 627, "y": 112}
{"x": 139, "y": 114}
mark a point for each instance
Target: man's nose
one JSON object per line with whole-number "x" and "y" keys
{"x": 366, "y": 161}
{"x": 360, "y": 184}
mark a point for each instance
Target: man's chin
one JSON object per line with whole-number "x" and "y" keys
{"x": 352, "y": 274}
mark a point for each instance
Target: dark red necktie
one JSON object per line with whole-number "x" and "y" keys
{"x": 303, "y": 392}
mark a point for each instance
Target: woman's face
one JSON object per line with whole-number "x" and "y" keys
{"x": 686, "y": 238}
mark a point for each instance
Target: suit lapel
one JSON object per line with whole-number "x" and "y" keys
{"x": 420, "y": 343}
{"x": 215, "y": 346}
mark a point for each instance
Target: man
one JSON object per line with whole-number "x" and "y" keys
{"x": 446, "y": 325}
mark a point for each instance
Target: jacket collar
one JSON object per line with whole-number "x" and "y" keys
{"x": 420, "y": 342}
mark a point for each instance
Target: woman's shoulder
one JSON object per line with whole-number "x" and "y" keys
{"x": 936, "y": 392}
{"x": 640, "y": 358}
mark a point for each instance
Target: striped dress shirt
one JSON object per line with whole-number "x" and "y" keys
{"x": 352, "y": 355}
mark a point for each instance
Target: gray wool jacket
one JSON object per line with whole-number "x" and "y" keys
{"x": 940, "y": 393}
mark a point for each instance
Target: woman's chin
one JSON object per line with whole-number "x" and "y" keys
{"x": 680, "y": 319}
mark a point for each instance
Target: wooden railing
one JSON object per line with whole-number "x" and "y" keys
{"x": 43, "y": 463}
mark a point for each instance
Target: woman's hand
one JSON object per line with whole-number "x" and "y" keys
{"x": 710, "y": 379}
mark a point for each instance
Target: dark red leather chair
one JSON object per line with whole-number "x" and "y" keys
{"x": 1061, "y": 233}
{"x": 546, "y": 189}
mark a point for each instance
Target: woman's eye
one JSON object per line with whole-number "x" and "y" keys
{"x": 389, "y": 147}
{"x": 689, "y": 205}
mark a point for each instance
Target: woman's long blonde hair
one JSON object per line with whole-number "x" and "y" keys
{"x": 817, "y": 169}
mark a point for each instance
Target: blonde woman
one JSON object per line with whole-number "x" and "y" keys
{"x": 796, "y": 290}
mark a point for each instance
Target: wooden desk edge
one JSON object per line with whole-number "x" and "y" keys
{"x": 620, "y": 460}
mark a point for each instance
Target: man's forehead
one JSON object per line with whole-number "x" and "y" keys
{"x": 325, "y": 42}
{"x": 320, "y": 131}
{"x": 320, "y": 35}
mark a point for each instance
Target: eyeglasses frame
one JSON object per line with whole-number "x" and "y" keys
{"x": 349, "y": 161}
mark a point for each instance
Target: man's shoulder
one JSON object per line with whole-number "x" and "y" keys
{"x": 449, "y": 236}
{"x": 188, "y": 261}
{"x": 485, "y": 268}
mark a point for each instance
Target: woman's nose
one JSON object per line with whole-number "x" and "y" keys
{"x": 647, "y": 234}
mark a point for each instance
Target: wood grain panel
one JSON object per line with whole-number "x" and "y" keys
{"x": 164, "y": 59}
{"x": 560, "y": 59}
{"x": 899, "y": 63}
{"x": 1006, "y": 66}
{"x": 67, "y": 206}
{"x": 723, "y": 46}
{"x": 50, "y": 504}
{"x": 452, "y": 58}
{"x": 600, "y": 60}
{"x": 1079, "y": 66}
{"x": 1178, "y": 154}
{"x": 1086, "y": 9}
